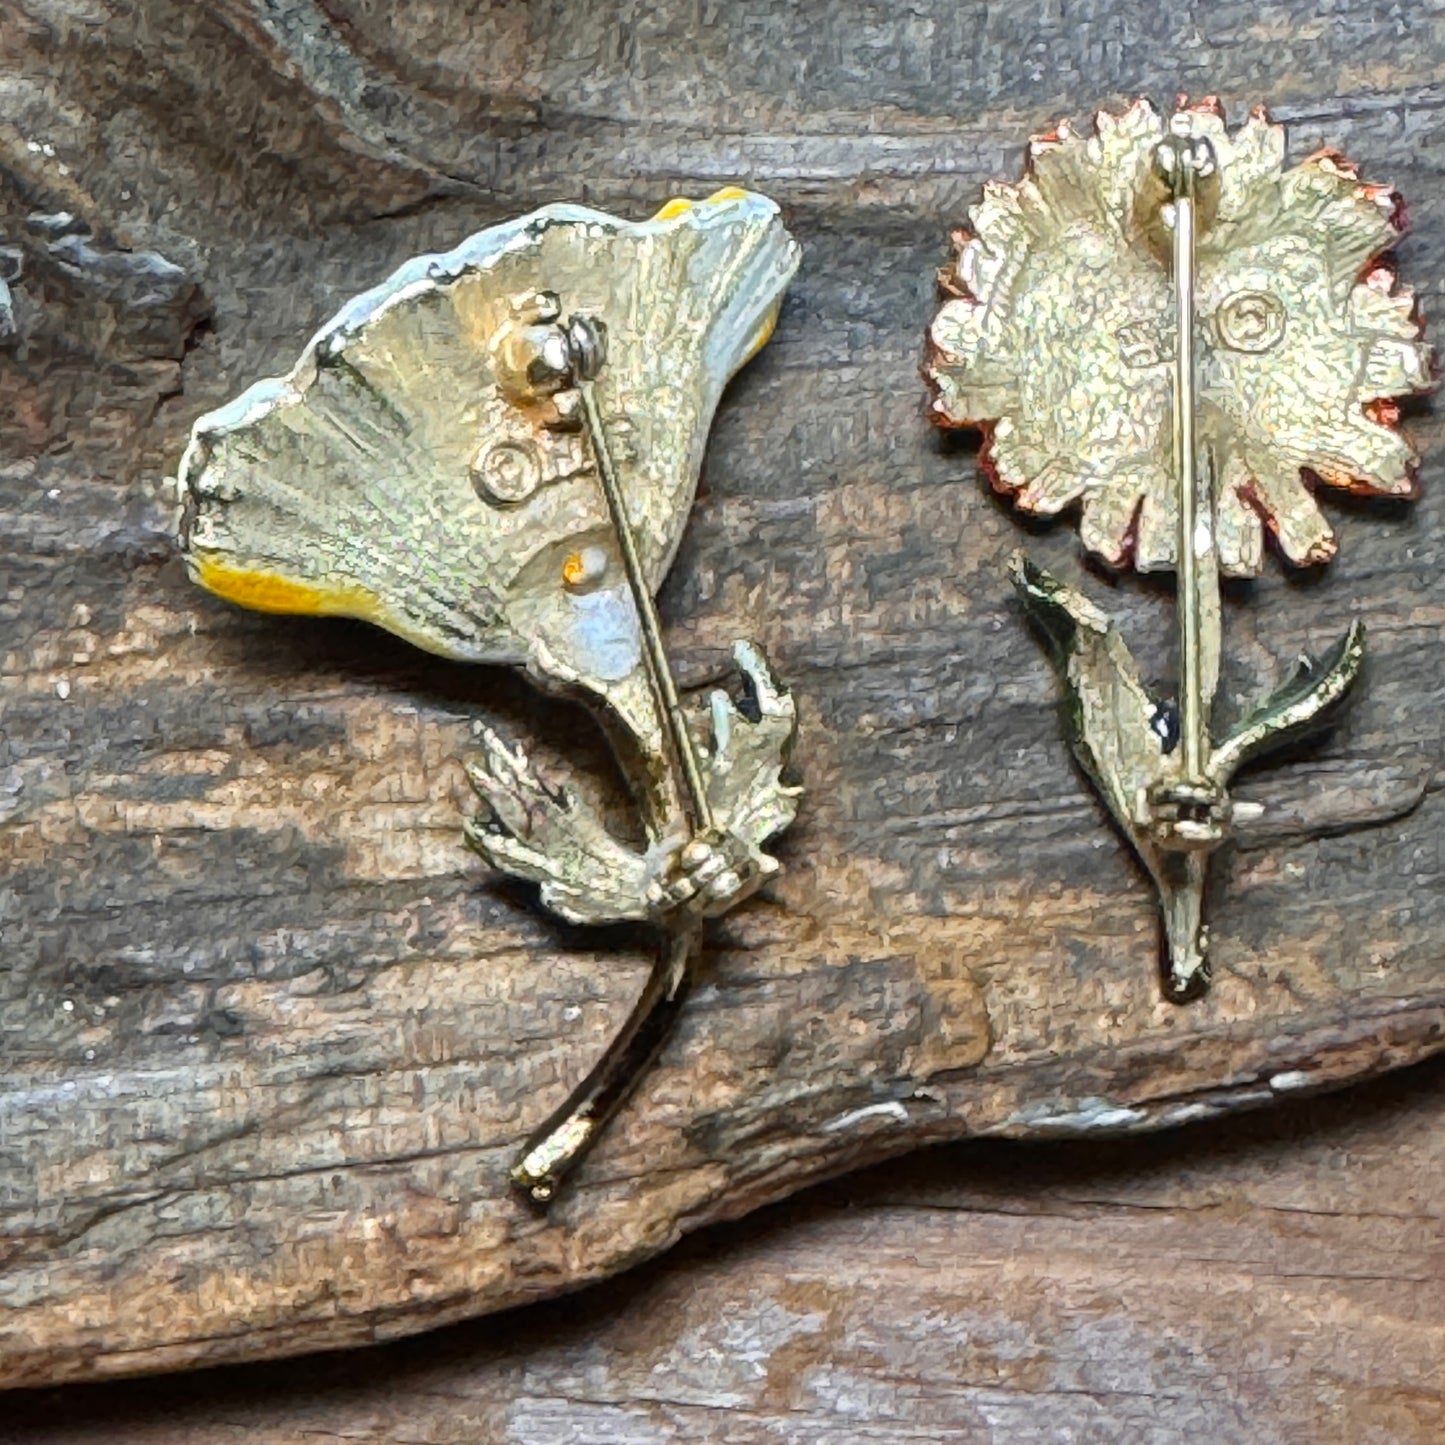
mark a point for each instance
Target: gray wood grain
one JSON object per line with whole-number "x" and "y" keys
{"x": 269, "y": 1036}
{"x": 1268, "y": 1280}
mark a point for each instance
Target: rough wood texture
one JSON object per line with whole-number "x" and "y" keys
{"x": 269, "y": 1036}
{"x": 1273, "y": 1280}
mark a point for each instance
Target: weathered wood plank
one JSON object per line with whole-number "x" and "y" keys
{"x": 269, "y": 1040}
{"x": 1256, "y": 1282}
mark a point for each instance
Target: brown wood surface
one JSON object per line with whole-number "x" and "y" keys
{"x": 1268, "y": 1280}
{"x": 270, "y": 1037}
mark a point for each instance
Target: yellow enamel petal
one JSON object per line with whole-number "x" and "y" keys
{"x": 270, "y": 592}
{"x": 681, "y": 205}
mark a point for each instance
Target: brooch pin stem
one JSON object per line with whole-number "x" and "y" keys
{"x": 551, "y": 366}
{"x": 1189, "y": 813}
{"x": 1184, "y": 165}
{"x": 659, "y": 670}
{"x": 558, "y": 1145}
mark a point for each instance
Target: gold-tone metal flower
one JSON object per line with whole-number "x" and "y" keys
{"x": 493, "y": 454}
{"x": 1164, "y": 325}
{"x": 1059, "y": 340}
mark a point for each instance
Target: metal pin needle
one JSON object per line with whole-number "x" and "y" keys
{"x": 1193, "y": 502}
{"x": 658, "y": 669}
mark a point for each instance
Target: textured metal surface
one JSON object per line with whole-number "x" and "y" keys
{"x": 1061, "y": 339}
{"x": 389, "y": 478}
